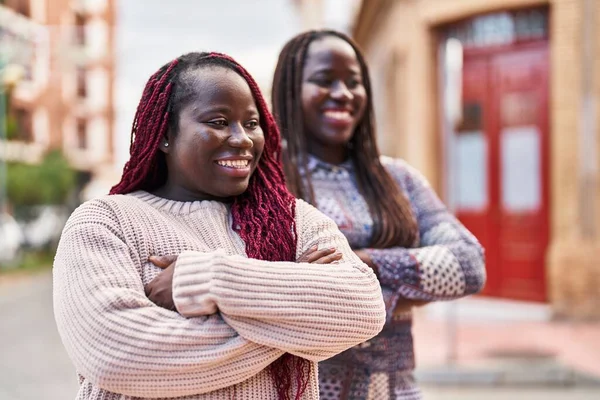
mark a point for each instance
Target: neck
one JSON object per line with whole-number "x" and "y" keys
{"x": 330, "y": 154}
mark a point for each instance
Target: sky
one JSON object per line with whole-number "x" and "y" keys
{"x": 150, "y": 33}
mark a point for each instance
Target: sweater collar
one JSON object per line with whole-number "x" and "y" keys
{"x": 178, "y": 207}
{"x": 314, "y": 164}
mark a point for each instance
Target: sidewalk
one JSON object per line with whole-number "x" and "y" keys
{"x": 33, "y": 362}
{"x": 485, "y": 342}
{"x": 487, "y": 393}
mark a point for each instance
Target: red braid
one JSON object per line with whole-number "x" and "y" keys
{"x": 149, "y": 126}
{"x": 263, "y": 216}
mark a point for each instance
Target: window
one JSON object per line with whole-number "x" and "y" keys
{"x": 79, "y": 29}
{"x": 521, "y": 169}
{"x": 470, "y": 160}
{"x": 24, "y": 127}
{"x": 501, "y": 28}
{"x": 82, "y": 142}
{"x": 20, "y": 6}
{"x": 531, "y": 24}
{"x": 81, "y": 82}
{"x": 472, "y": 118}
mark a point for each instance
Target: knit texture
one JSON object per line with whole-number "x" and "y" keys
{"x": 236, "y": 315}
{"x": 446, "y": 263}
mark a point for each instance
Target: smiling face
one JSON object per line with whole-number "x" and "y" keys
{"x": 333, "y": 96}
{"x": 218, "y": 140}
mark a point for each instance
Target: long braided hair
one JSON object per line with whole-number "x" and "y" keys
{"x": 263, "y": 215}
{"x": 393, "y": 220}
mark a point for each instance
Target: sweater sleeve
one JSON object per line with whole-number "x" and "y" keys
{"x": 122, "y": 342}
{"x": 449, "y": 262}
{"x": 310, "y": 310}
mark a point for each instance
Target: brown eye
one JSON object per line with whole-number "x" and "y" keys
{"x": 321, "y": 80}
{"x": 218, "y": 122}
{"x": 252, "y": 124}
{"x": 353, "y": 83}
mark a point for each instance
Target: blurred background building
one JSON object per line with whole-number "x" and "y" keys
{"x": 56, "y": 146}
{"x": 496, "y": 101}
{"x": 64, "y": 100}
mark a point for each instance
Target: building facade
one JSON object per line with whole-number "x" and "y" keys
{"x": 496, "y": 102}
{"x": 65, "y": 97}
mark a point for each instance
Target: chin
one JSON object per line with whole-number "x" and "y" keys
{"x": 339, "y": 141}
{"x": 337, "y": 138}
{"x": 235, "y": 190}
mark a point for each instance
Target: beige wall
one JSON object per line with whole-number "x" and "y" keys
{"x": 405, "y": 30}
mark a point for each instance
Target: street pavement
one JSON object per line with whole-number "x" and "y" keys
{"x": 34, "y": 366}
{"x": 490, "y": 393}
{"x": 33, "y": 362}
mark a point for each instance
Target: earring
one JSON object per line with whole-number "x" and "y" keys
{"x": 166, "y": 144}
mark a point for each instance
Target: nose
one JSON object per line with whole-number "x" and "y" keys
{"x": 340, "y": 91}
{"x": 239, "y": 138}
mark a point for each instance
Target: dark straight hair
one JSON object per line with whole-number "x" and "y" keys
{"x": 394, "y": 222}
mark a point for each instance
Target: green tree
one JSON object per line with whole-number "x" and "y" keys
{"x": 50, "y": 182}
{"x": 7, "y": 119}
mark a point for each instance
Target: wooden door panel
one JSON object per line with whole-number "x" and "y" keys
{"x": 472, "y": 163}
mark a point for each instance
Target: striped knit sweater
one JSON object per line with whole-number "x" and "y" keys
{"x": 236, "y": 315}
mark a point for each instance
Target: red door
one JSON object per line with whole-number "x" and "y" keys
{"x": 501, "y": 165}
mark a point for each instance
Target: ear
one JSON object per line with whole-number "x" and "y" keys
{"x": 165, "y": 144}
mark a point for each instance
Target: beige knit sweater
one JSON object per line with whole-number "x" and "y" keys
{"x": 236, "y": 315}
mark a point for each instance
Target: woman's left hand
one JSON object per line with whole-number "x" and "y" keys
{"x": 160, "y": 289}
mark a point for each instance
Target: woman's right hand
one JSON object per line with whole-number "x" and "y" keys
{"x": 315, "y": 256}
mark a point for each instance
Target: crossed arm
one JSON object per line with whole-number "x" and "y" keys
{"x": 122, "y": 342}
{"x": 448, "y": 262}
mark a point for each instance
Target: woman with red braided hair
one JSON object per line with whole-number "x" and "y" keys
{"x": 201, "y": 276}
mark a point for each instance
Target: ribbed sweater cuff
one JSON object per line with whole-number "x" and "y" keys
{"x": 192, "y": 283}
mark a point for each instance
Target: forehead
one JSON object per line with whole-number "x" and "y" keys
{"x": 331, "y": 51}
{"x": 211, "y": 84}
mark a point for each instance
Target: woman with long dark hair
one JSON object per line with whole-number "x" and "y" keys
{"x": 200, "y": 276}
{"x": 322, "y": 103}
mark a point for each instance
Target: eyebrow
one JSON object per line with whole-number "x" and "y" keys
{"x": 224, "y": 110}
{"x": 329, "y": 70}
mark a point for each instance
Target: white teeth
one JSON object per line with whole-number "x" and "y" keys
{"x": 337, "y": 114}
{"x": 234, "y": 163}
